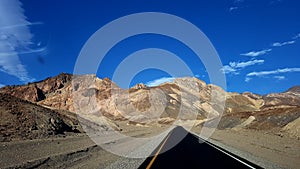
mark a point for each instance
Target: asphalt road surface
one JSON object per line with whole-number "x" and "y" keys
{"x": 189, "y": 153}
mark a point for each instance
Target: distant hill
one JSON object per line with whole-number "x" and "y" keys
{"x": 21, "y": 119}
{"x": 295, "y": 89}
{"x": 91, "y": 98}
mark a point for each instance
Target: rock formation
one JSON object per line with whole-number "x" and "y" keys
{"x": 184, "y": 98}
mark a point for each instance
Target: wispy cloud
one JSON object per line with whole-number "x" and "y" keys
{"x": 257, "y": 53}
{"x": 228, "y": 69}
{"x": 234, "y": 67}
{"x": 159, "y": 81}
{"x": 297, "y": 36}
{"x": 236, "y": 4}
{"x": 272, "y": 72}
{"x": 247, "y": 79}
{"x": 275, "y": 44}
{"x": 15, "y": 36}
{"x": 292, "y": 41}
{"x": 278, "y": 44}
{"x": 233, "y": 8}
{"x": 28, "y": 51}
{"x": 279, "y": 77}
{"x": 245, "y": 64}
{"x": 274, "y": 2}
{"x": 238, "y": 1}
{"x": 21, "y": 25}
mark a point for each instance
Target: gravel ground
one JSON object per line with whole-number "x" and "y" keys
{"x": 264, "y": 148}
{"x": 78, "y": 151}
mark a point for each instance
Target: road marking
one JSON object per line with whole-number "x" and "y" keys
{"x": 156, "y": 154}
{"x": 229, "y": 155}
{"x": 211, "y": 144}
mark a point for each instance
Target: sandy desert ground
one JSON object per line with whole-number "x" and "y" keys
{"x": 79, "y": 151}
{"x": 264, "y": 148}
{"x": 73, "y": 151}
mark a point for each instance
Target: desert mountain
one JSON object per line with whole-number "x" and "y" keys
{"x": 185, "y": 98}
{"x": 21, "y": 119}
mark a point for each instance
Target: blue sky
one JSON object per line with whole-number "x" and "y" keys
{"x": 258, "y": 41}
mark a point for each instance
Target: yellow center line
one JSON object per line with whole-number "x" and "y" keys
{"x": 156, "y": 154}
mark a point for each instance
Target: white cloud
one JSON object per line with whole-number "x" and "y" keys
{"x": 14, "y": 36}
{"x": 247, "y": 79}
{"x": 278, "y": 44}
{"x": 228, "y": 69}
{"x": 24, "y": 24}
{"x": 274, "y": 2}
{"x": 28, "y": 51}
{"x": 245, "y": 64}
{"x": 279, "y": 77}
{"x": 271, "y": 72}
{"x": 257, "y": 53}
{"x": 159, "y": 81}
{"x": 238, "y": 1}
{"x": 233, "y": 8}
{"x": 236, "y": 5}
{"x": 234, "y": 67}
{"x": 297, "y": 36}
{"x": 1, "y": 85}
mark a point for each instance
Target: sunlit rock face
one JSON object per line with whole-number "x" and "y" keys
{"x": 186, "y": 98}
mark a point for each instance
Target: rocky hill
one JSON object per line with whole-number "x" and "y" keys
{"x": 21, "y": 119}
{"x": 185, "y": 99}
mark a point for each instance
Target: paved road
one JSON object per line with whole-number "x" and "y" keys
{"x": 81, "y": 152}
{"x": 189, "y": 153}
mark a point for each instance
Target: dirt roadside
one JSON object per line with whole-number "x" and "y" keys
{"x": 268, "y": 149}
{"x": 73, "y": 151}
